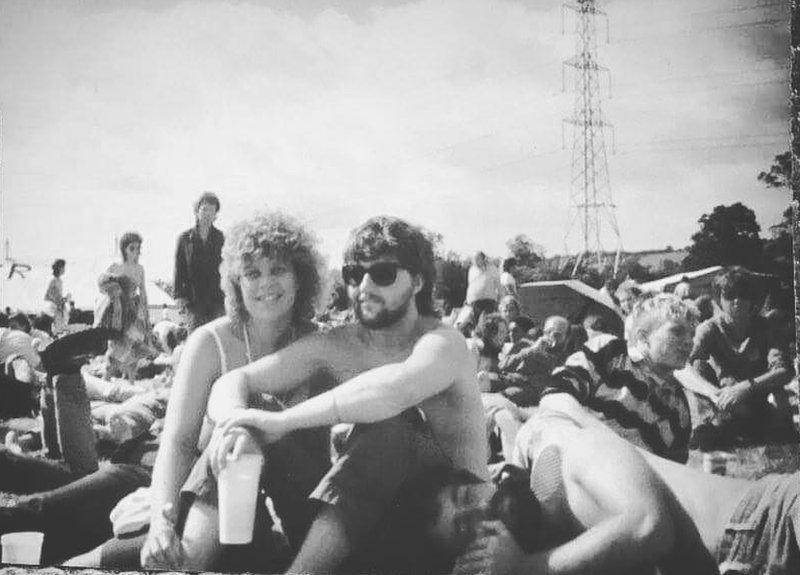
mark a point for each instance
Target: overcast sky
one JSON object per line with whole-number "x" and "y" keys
{"x": 116, "y": 115}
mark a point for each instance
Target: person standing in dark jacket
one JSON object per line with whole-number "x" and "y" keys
{"x": 197, "y": 260}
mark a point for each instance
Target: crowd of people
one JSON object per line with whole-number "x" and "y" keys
{"x": 393, "y": 440}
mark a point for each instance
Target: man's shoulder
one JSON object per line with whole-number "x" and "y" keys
{"x": 339, "y": 339}
{"x": 186, "y": 235}
{"x": 435, "y": 329}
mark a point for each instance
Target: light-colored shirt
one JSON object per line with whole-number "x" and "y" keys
{"x": 508, "y": 283}
{"x": 482, "y": 284}
{"x": 15, "y": 342}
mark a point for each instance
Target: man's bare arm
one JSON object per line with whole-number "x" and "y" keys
{"x": 437, "y": 360}
{"x": 640, "y": 524}
{"x": 275, "y": 373}
{"x": 635, "y": 528}
{"x": 691, "y": 379}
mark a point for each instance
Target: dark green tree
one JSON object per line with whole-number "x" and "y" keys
{"x": 729, "y": 235}
{"x": 780, "y": 172}
{"x": 527, "y": 253}
{"x": 451, "y": 280}
{"x": 632, "y": 268}
{"x": 777, "y": 251}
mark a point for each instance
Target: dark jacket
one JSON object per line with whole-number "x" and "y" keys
{"x": 197, "y": 263}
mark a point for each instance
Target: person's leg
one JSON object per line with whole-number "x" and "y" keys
{"x": 198, "y": 518}
{"x": 22, "y": 474}
{"x": 201, "y": 536}
{"x": 74, "y": 516}
{"x": 294, "y": 466}
{"x": 16, "y": 397}
{"x": 117, "y": 553}
{"x": 47, "y": 407}
{"x": 74, "y": 424}
{"x": 92, "y": 558}
{"x": 68, "y": 353}
{"x": 358, "y": 489}
{"x": 327, "y": 544}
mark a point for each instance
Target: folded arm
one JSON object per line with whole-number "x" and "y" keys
{"x": 279, "y": 372}
{"x": 437, "y": 360}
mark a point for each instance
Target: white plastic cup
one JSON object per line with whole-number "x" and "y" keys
{"x": 238, "y": 495}
{"x": 24, "y": 547}
{"x": 716, "y": 462}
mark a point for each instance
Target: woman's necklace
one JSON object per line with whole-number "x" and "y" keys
{"x": 249, "y": 352}
{"x": 248, "y": 348}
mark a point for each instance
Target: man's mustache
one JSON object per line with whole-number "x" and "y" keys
{"x": 369, "y": 298}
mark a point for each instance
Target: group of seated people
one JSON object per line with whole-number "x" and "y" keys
{"x": 377, "y": 432}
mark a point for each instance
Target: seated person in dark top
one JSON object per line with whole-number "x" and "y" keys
{"x": 630, "y": 385}
{"x": 532, "y": 363}
{"x": 740, "y": 352}
{"x": 519, "y": 370}
{"x": 511, "y": 311}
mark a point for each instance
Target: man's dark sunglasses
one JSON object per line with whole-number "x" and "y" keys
{"x": 382, "y": 273}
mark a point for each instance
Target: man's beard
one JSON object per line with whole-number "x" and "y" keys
{"x": 385, "y": 317}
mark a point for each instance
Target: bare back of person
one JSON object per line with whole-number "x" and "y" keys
{"x": 353, "y": 349}
{"x": 587, "y": 479}
{"x": 710, "y": 499}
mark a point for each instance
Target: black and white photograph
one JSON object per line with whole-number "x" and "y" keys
{"x": 399, "y": 287}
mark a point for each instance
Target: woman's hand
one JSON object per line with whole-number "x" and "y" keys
{"x": 267, "y": 426}
{"x": 163, "y": 548}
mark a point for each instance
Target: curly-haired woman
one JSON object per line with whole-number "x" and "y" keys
{"x": 271, "y": 279}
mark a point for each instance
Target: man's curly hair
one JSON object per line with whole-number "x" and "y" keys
{"x": 387, "y": 236}
{"x": 271, "y": 235}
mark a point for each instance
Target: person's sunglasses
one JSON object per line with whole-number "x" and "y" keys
{"x": 382, "y": 273}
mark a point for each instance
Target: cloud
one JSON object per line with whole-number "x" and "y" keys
{"x": 449, "y": 113}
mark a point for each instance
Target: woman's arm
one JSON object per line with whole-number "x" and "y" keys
{"x": 184, "y": 419}
{"x": 143, "y": 289}
{"x": 276, "y": 373}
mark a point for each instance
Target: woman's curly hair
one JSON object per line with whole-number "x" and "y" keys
{"x": 271, "y": 235}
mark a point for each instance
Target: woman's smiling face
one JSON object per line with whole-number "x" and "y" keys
{"x": 269, "y": 287}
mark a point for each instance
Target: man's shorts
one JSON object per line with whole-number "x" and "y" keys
{"x": 763, "y": 535}
{"x": 377, "y": 459}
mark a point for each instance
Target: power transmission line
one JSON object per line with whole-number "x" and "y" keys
{"x": 590, "y": 193}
